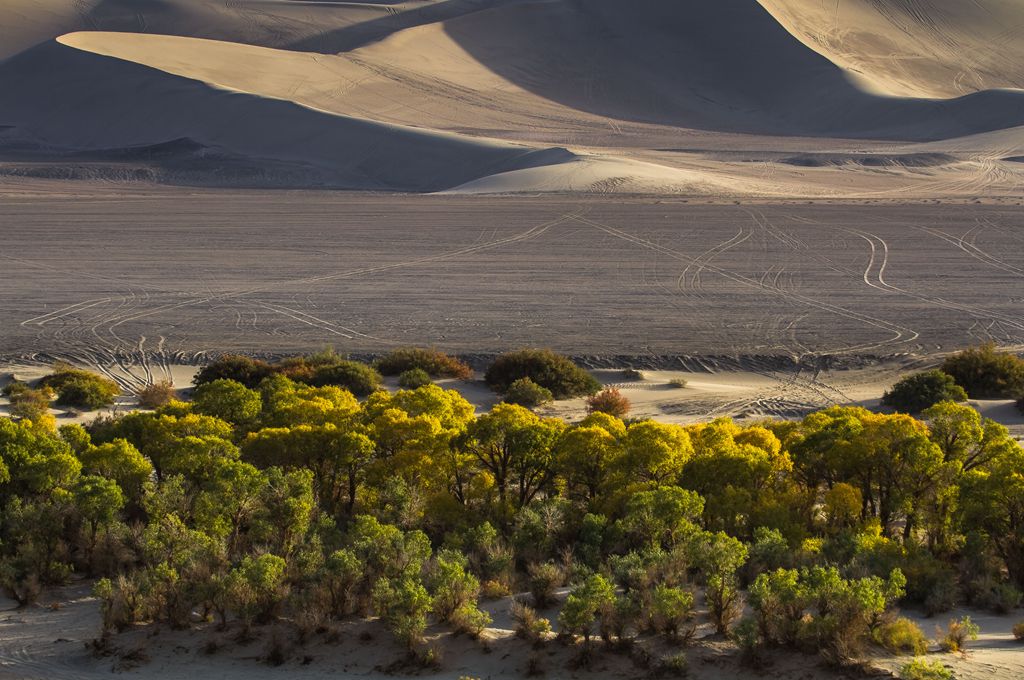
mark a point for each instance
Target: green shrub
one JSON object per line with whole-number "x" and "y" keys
{"x": 1001, "y": 598}
{"x": 669, "y": 609}
{"x": 918, "y": 392}
{"x": 357, "y": 378}
{"x": 413, "y": 379}
{"x": 902, "y": 636}
{"x": 632, "y": 374}
{"x": 986, "y": 373}
{"x": 250, "y": 372}
{"x": 228, "y": 400}
{"x": 919, "y": 669}
{"x": 81, "y": 389}
{"x": 436, "y": 364}
{"x": 552, "y": 371}
{"x": 524, "y": 392}
{"x": 403, "y": 604}
{"x": 609, "y": 401}
{"x": 957, "y": 633}
{"x": 544, "y": 579}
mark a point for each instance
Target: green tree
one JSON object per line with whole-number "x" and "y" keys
{"x": 720, "y": 557}
{"x": 228, "y": 400}
{"x": 98, "y": 501}
{"x": 587, "y": 457}
{"x": 120, "y": 461}
{"x": 993, "y": 503}
{"x": 515, "y": 446}
{"x": 656, "y": 452}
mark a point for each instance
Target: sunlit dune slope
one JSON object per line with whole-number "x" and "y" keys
{"x": 922, "y": 48}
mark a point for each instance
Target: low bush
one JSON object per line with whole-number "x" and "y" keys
{"x": 528, "y": 625}
{"x": 436, "y": 364}
{"x": 677, "y": 383}
{"x": 544, "y": 580}
{"x": 250, "y": 372}
{"x": 156, "y": 395}
{"x": 413, "y": 379}
{"x": 81, "y": 389}
{"x": 27, "y": 402}
{"x": 915, "y": 393}
{"x": 919, "y": 669}
{"x": 1018, "y": 631}
{"x": 524, "y": 392}
{"x": 357, "y": 378}
{"x": 632, "y": 374}
{"x": 674, "y": 666}
{"x": 957, "y": 633}
{"x": 549, "y": 370}
{"x": 609, "y": 401}
{"x": 985, "y": 373}
{"x": 902, "y": 636}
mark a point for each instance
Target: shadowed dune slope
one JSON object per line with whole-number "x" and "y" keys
{"x": 723, "y": 65}
{"x": 108, "y": 103}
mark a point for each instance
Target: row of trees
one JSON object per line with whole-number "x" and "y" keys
{"x": 294, "y": 500}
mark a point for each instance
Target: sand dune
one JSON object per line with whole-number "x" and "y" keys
{"x": 274, "y": 23}
{"x": 109, "y": 103}
{"x": 485, "y": 95}
{"x": 919, "y": 48}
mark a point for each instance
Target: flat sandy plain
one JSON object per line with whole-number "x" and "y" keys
{"x": 179, "y": 274}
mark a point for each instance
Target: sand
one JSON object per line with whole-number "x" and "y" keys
{"x": 513, "y": 96}
{"x": 50, "y": 641}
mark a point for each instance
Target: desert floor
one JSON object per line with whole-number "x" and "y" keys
{"x": 52, "y": 641}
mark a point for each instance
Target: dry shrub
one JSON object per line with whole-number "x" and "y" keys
{"x": 156, "y": 395}
{"x": 902, "y": 636}
{"x": 529, "y": 626}
{"x": 1018, "y": 632}
{"x": 493, "y": 590}
{"x": 609, "y": 401}
{"x": 957, "y": 633}
{"x": 430, "y": 657}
